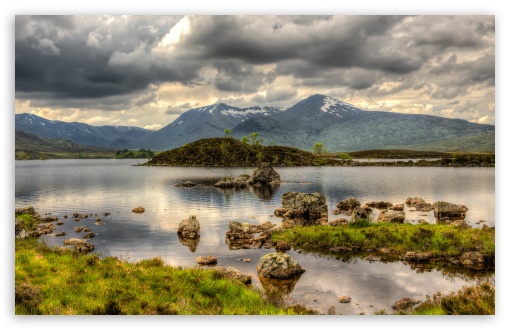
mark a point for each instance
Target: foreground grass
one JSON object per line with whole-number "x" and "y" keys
{"x": 443, "y": 241}
{"x": 53, "y": 281}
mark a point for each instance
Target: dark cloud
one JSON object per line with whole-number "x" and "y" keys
{"x": 234, "y": 76}
{"x": 177, "y": 109}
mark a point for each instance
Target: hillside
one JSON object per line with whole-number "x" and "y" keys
{"x": 232, "y": 152}
{"x": 30, "y": 146}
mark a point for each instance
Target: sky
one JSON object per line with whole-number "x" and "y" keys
{"x": 146, "y": 70}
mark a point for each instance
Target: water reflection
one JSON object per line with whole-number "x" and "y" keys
{"x": 278, "y": 289}
{"x": 265, "y": 192}
{"x": 191, "y": 243}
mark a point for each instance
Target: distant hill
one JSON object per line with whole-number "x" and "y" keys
{"x": 30, "y": 146}
{"x": 117, "y": 137}
{"x": 318, "y": 118}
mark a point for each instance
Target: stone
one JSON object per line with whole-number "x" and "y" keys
{"x": 209, "y": 260}
{"x": 263, "y": 175}
{"x": 397, "y": 207}
{"x": 234, "y": 274}
{"x": 344, "y": 299}
{"x": 138, "y": 210}
{"x": 106, "y": 214}
{"x": 447, "y": 211}
{"x": 339, "y": 222}
{"x": 282, "y": 247}
{"x": 412, "y": 201}
{"x": 78, "y": 229}
{"x": 311, "y": 207}
{"x": 89, "y": 235}
{"x": 244, "y": 259}
{"x": 189, "y": 228}
{"x": 404, "y": 303}
{"x": 189, "y": 184}
{"x": 359, "y": 214}
{"x": 473, "y": 258}
{"x": 60, "y": 223}
{"x": 84, "y": 247}
{"x": 459, "y": 223}
{"x": 391, "y": 216}
{"x": 278, "y": 265}
{"x": 73, "y": 241}
{"x": 86, "y": 229}
{"x": 424, "y": 207}
{"x": 60, "y": 234}
{"x": 348, "y": 204}
{"x": 340, "y": 249}
{"x": 25, "y": 210}
{"x": 417, "y": 256}
{"x": 380, "y": 205}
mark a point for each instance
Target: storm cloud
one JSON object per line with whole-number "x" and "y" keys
{"x": 153, "y": 64}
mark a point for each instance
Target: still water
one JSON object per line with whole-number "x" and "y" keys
{"x": 96, "y": 186}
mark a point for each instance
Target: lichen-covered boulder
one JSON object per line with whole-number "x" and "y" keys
{"x": 447, "y": 211}
{"x": 391, "y": 216}
{"x": 304, "y": 205}
{"x": 360, "y": 214}
{"x": 264, "y": 174}
{"x": 348, "y": 204}
{"x": 234, "y": 274}
{"x": 282, "y": 246}
{"x": 412, "y": 201}
{"x": 189, "y": 228}
{"x": 278, "y": 265}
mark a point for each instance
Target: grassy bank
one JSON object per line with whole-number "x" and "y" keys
{"x": 61, "y": 281}
{"x": 443, "y": 241}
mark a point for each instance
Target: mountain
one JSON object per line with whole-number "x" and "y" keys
{"x": 30, "y": 146}
{"x": 118, "y": 137}
{"x": 318, "y": 118}
{"x": 205, "y": 122}
{"x": 343, "y": 127}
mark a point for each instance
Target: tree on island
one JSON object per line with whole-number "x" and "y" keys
{"x": 319, "y": 149}
{"x": 228, "y": 133}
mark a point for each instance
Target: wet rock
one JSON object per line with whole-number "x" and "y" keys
{"x": 384, "y": 250}
{"x": 60, "y": 234}
{"x": 89, "y": 235}
{"x": 244, "y": 259}
{"x": 417, "y": 256}
{"x": 60, "y": 223}
{"x": 86, "y": 229}
{"x": 397, "y": 207}
{"x": 404, "y": 303}
{"x": 459, "y": 223}
{"x": 264, "y": 174}
{"x": 188, "y": 184}
{"x": 424, "y": 207}
{"x": 78, "y": 229}
{"x": 282, "y": 247}
{"x": 339, "y": 222}
{"x": 106, "y": 214}
{"x": 49, "y": 219}
{"x": 447, "y": 211}
{"x": 340, "y": 249}
{"x": 98, "y": 219}
{"x": 472, "y": 259}
{"x": 412, "y": 201}
{"x": 233, "y": 274}
{"x": 65, "y": 216}
{"x": 73, "y": 241}
{"x": 310, "y": 207}
{"x": 391, "y": 216}
{"x": 25, "y": 210}
{"x": 380, "y": 205}
{"x": 138, "y": 210}
{"x": 359, "y": 214}
{"x": 189, "y": 228}
{"x": 209, "y": 260}
{"x": 278, "y": 265}
{"x": 344, "y": 299}
{"x": 348, "y": 204}
{"x": 84, "y": 247}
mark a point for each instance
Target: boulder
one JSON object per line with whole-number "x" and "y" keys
{"x": 447, "y": 211}
{"x": 73, "y": 241}
{"x": 282, "y": 246}
{"x": 60, "y": 234}
{"x": 233, "y": 274}
{"x": 391, "y": 216}
{"x": 380, "y": 205}
{"x": 25, "y": 210}
{"x": 344, "y": 299}
{"x": 311, "y": 207}
{"x": 278, "y": 265}
{"x": 412, "y": 201}
{"x": 359, "y": 214}
{"x": 84, "y": 247}
{"x": 189, "y": 228}
{"x": 417, "y": 256}
{"x": 348, "y": 204}
{"x": 424, "y": 207}
{"x": 209, "y": 260}
{"x": 397, "y": 207}
{"x": 459, "y": 223}
{"x": 339, "y": 222}
{"x": 471, "y": 259}
{"x": 89, "y": 235}
{"x": 404, "y": 303}
{"x": 78, "y": 229}
{"x": 138, "y": 210}
{"x": 264, "y": 174}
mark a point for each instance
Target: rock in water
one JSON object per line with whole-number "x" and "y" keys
{"x": 310, "y": 207}
{"x": 404, "y": 303}
{"x": 412, "y": 201}
{"x": 189, "y": 228}
{"x": 138, "y": 209}
{"x": 391, "y": 216}
{"x": 447, "y": 211}
{"x": 209, "y": 260}
{"x": 278, "y": 265}
{"x": 264, "y": 174}
{"x": 233, "y": 274}
{"x": 348, "y": 204}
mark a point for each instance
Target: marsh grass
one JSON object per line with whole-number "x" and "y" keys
{"x": 443, "y": 241}
{"x": 60, "y": 281}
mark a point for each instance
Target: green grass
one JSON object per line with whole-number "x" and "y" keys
{"x": 51, "y": 281}
{"x": 442, "y": 241}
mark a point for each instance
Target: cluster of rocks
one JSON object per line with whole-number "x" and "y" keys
{"x": 80, "y": 244}
{"x": 262, "y": 175}
{"x": 237, "y": 182}
{"x": 303, "y": 209}
{"x": 242, "y": 235}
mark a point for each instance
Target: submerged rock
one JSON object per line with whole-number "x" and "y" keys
{"x": 189, "y": 228}
{"x": 278, "y": 265}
